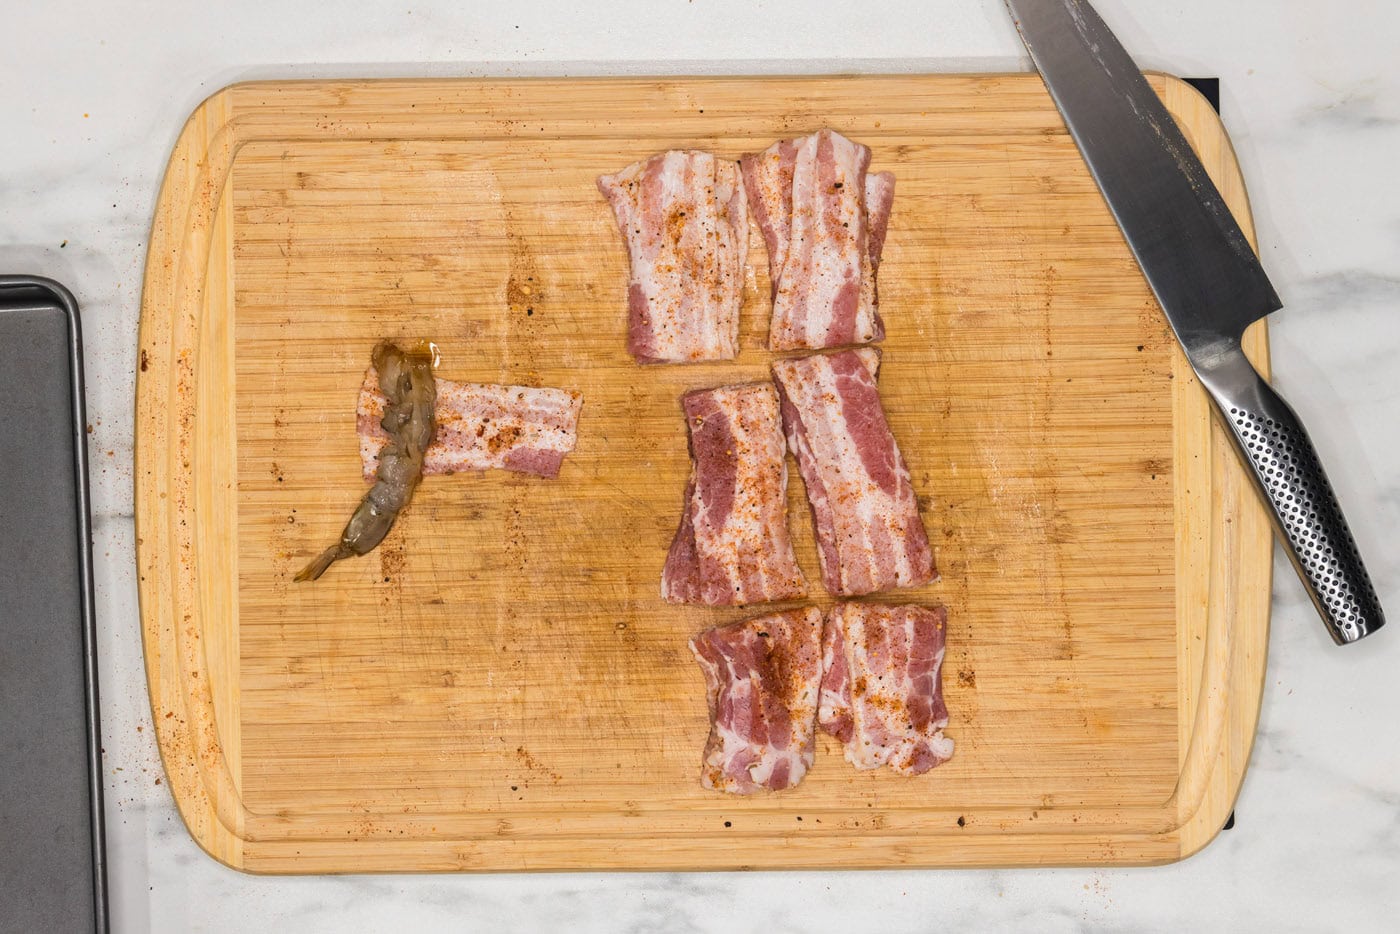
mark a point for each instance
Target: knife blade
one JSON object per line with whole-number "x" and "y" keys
{"x": 1209, "y": 282}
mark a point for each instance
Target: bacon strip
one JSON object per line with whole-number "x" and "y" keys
{"x": 879, "y": 199}
{"x": 869, "y": 534}
{"x": 480, "y": 427}
{"x": 685, "y": 219}
{"x": 824, "y": 219}
{"x": 768, "y": 182}
{"x": 761, "y": 679}
{"x": 733, "y": 546}
{"x": 882, "y": 687}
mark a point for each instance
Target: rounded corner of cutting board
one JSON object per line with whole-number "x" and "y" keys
{"x": 1167, "y": 80}
{"x": 217, "y": 841}
{"x": 217, "y": 105}
{"x": 1198, "y": 842}
{"x": 173, "y": 303}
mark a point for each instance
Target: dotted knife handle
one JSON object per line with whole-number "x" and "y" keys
{"x": 1305, "y": 510}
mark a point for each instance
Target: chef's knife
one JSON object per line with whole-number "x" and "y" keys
{"x": 1207, "y": 280}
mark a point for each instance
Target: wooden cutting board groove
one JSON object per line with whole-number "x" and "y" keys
{"x": 499, "y": 686}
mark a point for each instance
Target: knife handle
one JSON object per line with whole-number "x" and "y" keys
{"x": 1305, "y": 511}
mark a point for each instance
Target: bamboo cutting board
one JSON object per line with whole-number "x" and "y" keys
{"x": 499, "y": 685}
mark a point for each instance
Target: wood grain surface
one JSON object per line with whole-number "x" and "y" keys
{"x": 499, "y": 685}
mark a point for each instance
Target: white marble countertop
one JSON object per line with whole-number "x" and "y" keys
{"x": 93, "y": 95}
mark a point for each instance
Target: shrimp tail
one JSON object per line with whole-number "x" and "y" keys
{"x": 322, "y": 561}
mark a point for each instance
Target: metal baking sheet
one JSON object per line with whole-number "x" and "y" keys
{"x": 52, "y": 872}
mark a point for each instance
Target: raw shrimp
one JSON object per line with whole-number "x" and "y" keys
{"x": 406, "y": 379}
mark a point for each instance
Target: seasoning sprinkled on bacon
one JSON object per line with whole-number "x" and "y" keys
{"x": 733, "y": 546}
{"x": 480, "y": 427}
{"x": 882, "y": 686}
{"x": 761, "y": 678}
{"x": 870, "y": 536}
{"x": 768, "y": 182}
{"x": 824, "y": 220}
{"x": 684, "y": 217}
